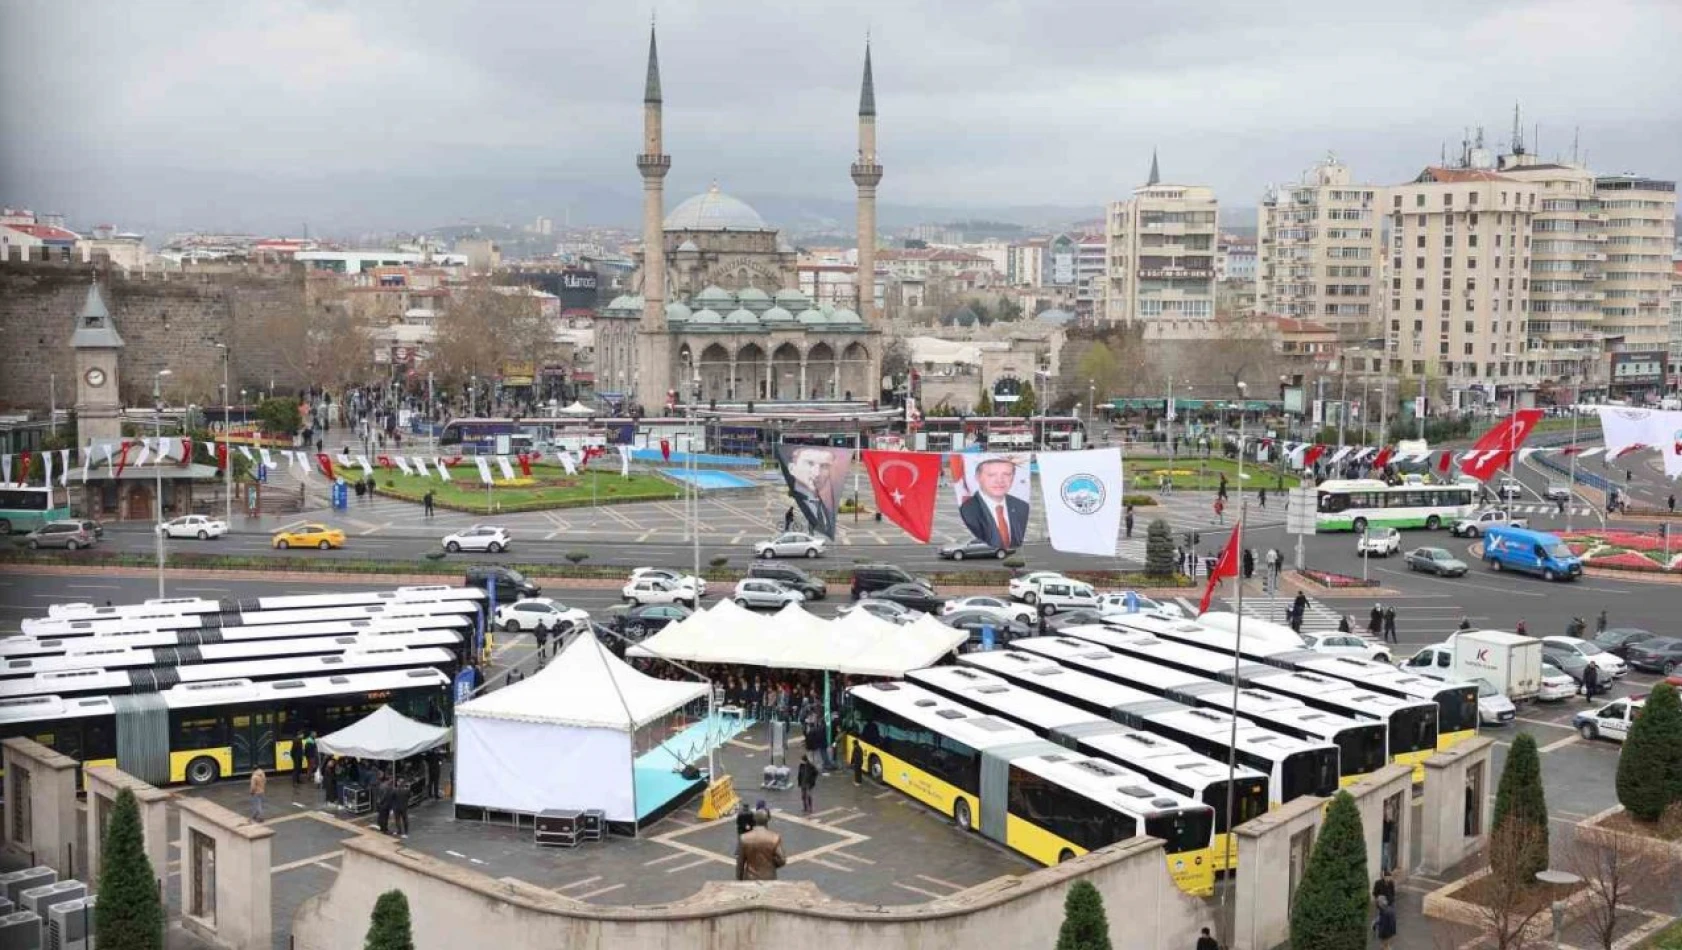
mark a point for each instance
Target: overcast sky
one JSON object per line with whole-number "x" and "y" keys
{"x": 424, "y": 113}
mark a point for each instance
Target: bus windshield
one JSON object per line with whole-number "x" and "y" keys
{"x": 1250, "y": 802}
{"x": 1184, "y": 830}
{"x": 1457, "y": 709}
{"x": 25, "y": 508}
{"x": 1309, "y": 773}
{"x": 1413, "y": 730}
{"x": 1361, "y": 750}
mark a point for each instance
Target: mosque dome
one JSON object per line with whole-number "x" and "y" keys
{"x": 706, "y": 316}
{"x": 754, "y": 299}
{"x": 811, "y": 317}
{"x": 742, "y": 316}
{"x": 677, "y": 312}
{"x": 776, "y": 315}
{"x": 843, "y": 315}
{"x": 713, "y": 210}
{"x": 625, "y": 303}
{"x": 792, "y": 300}
{"x": 715, "y": 297}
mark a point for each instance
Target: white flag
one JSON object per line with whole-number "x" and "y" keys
{"x": 343, "y": 461}
{"x": 567, "y": 462}
{"x": 1340, "y": 453}
{"x": 1082, "y": 493}
{"x": 87, "y": 460}
{"x": 64, "y": 466}
{"x": 484, "y": 468}
{"x": 145, "y": 451}
{"x": 507, "y": 470}
{"x": 402, "y": 464}
{"x": 245, "y": 450}
{"x": 625, "y": 461}
{"x": 6, "y": 469}
{"x": 362, "y": 461}
{"x": 47, "y": 461}
{"x": 268, "y": 460}
{"x": 301, "y": 466}
{"x": 443, "y": 471}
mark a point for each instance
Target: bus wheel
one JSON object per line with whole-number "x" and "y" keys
{"x": 1433, "y": 523}
{"x": 876, "y": 768}
{"x": 961, "y": 814}
{"x": 203, "y": 771}
{"x": 1360, "y": 526}
{"x": 1065, "y": 855}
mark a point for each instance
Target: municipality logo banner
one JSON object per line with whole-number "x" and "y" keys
{"x": 1082, "y": 493}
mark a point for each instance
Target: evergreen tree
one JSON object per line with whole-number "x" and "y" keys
{"x": 389, "y": 929}
{"x": 1330, "y": 911}
{"x": 1650, "y": 765}
{"x": 1085, "y": 927}
{"x": 129, "y": 914}
{"x": 1159, "y": 549}
{"x": 1519, "y": 798}
{"x": 984, "y": 407}
{"x": 1027, "y": 403}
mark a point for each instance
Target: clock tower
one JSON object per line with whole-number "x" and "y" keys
{"x": 97, "y": 345}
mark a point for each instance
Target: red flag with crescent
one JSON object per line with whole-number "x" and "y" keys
{"x": 1312, "y": 455}
{"x": 1226, "y": 566}
{"x": 1496, "y": 447}
{"x": 222, "y": 455}
{"x": 122, "y": 458}
{"x": 525, "y": 465}
{"x": 23, "y": 472}
{"x": 665, "y": 450}
{"x": 325, "y": 463}
{"x": 1382, "y": 457}
{"x": 1444, "y": 462}
{"x": 905, "y": 485}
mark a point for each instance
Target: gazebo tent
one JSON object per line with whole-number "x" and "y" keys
{"x": 568, "y": 737}
{"x": 384, "y": 734}
{"x": 578, "y": 409}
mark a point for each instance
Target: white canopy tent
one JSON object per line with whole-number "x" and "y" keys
{"x": 578, "y": 409}
{"x": 384, "y": 734}
{"x": 566, "y": 737}
{"x": 858, "y": 644}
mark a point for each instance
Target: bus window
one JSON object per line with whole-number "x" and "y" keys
{"x": 199, "y": 730}
{"x": 1331, "y": 504}
{"x": 1070, "y": 816}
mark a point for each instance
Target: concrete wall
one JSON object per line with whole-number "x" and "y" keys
{"x": 1370, "y": 794}
{"x": 454, "y": 907}
{"x": 1262, "y": 914}
{"x": 103, "y": 782}
{"x": 1444, "y": 842}
{"x": 242, "y": 913}
{"x": 50, "y": 835}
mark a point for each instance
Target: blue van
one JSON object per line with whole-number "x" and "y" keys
{"x": 1535, "y": 552}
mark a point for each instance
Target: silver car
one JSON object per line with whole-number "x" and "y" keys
{"x": 755, "y": 592}
{"x": 791, "y": 544}
{"x": 69, "y": 535}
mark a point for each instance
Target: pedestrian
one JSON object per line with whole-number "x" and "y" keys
{"x": 1127, "y": 517}
{"x": 541, "y": 634}
{"x": 759, "y": 853}
{"x": 259, "y": 787}
{"x": 1671, "y": 503}
{"x": 788, "y": 518}
{"x": 426, "y": 500}
{"x": 744, "y": 824}
{"x": 382, "y": 801}
{"x": 1390, "y": 623}
{"x": 1600, "y": 622}
{"x": 807, "y": 779}
{"x": 1384, "y": 926}
{"x": 295, "y": 752}
{"x": 312, "y": 761}
{"x": 1206, "y": 941}
{"x": 400, "y": 806}
{"x": 1560, "y": 502}
{"x": 433, "y": 768}
{"x": 1375, "y": 621}
{"x": 1220, "y": 509}
{"x": 1521, "y": 629}
{"x": 1299, "y": 608}
{"x": 1343, "y": 623}
{"x": 1249, "y": 563}
{"x": 1591, "y": 681}
{"x": 330, "y": 780}
{"x": 1385, "y": 887}
{"x": 1261, "y": 496}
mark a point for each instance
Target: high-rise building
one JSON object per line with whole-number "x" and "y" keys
{"x": 1159, "y": 255}
{"x": 1090, "y": 250}
{"x": 1460, "y": 243}
{"x": 1567, "y": 262}
{"x": 1321, "y": 251}
{"x": 1640, "y": 234}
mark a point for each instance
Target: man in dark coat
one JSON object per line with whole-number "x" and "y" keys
{"x": 993, "y": 515}
{"x": 807, "y": 779}
{"x": 1591, "y": 681}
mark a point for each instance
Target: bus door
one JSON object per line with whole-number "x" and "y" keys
{"x": 253, "y": 740}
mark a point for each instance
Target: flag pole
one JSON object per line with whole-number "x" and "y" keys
{"x": 1230, "y": 909}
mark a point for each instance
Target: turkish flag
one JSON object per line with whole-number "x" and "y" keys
{"x": 1226, "y": 567}
{"x": 23, "y": 471}
{"x": 905, "y": 484}
{"x": 1312, "y": 455}
{"x": 222, "y": 456}
{"x": 1444, "y": 462}
{"x": 1498, "y": 444}
{"x": 525, "y": 465}
{"x": 1382, "y": 457}
{"x": 383, "y": 461}
{"x": 326, "y": 464}
{"x": 122, "y": 459}
{"x": 186, "y": 452}
{"x": 665, "y": 450}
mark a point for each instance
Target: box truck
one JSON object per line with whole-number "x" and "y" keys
{"x": 1512, "y": 663}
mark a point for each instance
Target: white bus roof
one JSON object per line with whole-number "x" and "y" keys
{"x": 105, "y": 657}
{"x": 1255, "y": 631}
{"x": 1105, "y": 782}
{"x": 990, "y": 691}
{"x": 1378, "y": 676}
{"x": 167, "y": 606}
{"x": 1092, "y": 656}
{"x": 24, "y": 645}
{"x": 120, "y": 681}
{"x": 1040, "y": 662}
{"x": 1216, "y": 724}
{"x": 979, "y": 732}
{"x": 1166, "y": 756}
{"x": 65, "y": 627}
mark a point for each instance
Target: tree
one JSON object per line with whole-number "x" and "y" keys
{"x": 1085, "y": 926}
{"x": 1650, "y": 764}
{"x": 985, "y": 406}
{"x": 1613, "y": 868}
{"x": 129, "y": 914}
{"x": 1509, "y": 906}
{"x": 1519, "y": 799}
{"x": 1026, "y": 401}
{"x": 279, "y": 416}
{"x": 326, "y": 343}
{"x": 389, "y": 929}
{"x": 1099, "y": 366}
{"x": 1159, "y": 549}
{"x": 1330, "y": 911}
{"x": 484, "y": 329}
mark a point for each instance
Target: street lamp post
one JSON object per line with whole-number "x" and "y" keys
{"x": 52, "y": 411}
{"x": 1091, "y": 404}
{"x": 158, "y": 489}
{"x": 227, "y": 435}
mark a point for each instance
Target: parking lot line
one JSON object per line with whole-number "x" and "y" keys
{"x": 568, "y": 887}
{"x": 830, "y": 864}
{"x": 931, "y": 895}
{"x": 693, "y": 864}
{"x": 940, "y": 883}
{"x": 670, "y": 857}
{"x": 598, "y": 893}
{"x": 1560, "y": 744}
{"x": 1544, "y": 722}
{"x": 851, "y": 857}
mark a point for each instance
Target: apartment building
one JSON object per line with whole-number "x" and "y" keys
{"x": 1640, "y": 234}
{"x": 1159, "y": 254}
{"x": 1025, "y": 264}
{"x": 1567, "y": 264}
{"x": 1460, "y": 245}
{"x": 1321, "y": 252}
{"x": 1089, "y": 274}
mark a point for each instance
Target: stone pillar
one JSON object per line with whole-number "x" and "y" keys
{"x": 803, "y": 392}
{"x": 225, "y": 876}
{"x": 1392, "y": 784}
{"x": 40, "y": 806}
{"x": 1273, "y": 850}
{"x": 103, "y": 782}
{"x": 1445, "y": 841}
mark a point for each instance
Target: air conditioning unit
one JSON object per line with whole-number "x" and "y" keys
{"x": 20, "y": 931}
{"x": 39, "y": 899}
{"x": 13, "y": 884}
{"x": 70, "y": 925}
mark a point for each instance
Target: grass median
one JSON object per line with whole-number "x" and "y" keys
{"x": 548, "y": 487}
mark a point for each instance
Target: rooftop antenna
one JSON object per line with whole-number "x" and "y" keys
{"x": 1518, "y": 132}
{"x": 1443, "y": 160}
{"x": 1576, "y": 133}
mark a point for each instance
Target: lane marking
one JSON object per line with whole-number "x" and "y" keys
{"x": 598, "y": 893}
{"x": 304, "y": 862}
{"x": 568, "y": 887}
{"x": 1562, "y": 743}
{"x": 830, "y": 864}
{"x": 938, "y": 882}
{"x": 693, "y": 864}
{"x": 852, "y": 857}
{"x": 670, "y": 857}
{"x": 931, "y": 895}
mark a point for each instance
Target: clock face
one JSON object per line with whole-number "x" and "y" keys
{"x": 95, "y": 377}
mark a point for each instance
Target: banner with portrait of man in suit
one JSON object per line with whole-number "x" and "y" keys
{"x": 815, "y": 475}
{"x": 993, "y": 497}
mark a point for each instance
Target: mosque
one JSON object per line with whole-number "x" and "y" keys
{"x": 719, "y": 315}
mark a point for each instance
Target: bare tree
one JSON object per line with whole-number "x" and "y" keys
{"x": 484, "y": 329}
{"x": 1511, "y": 907}
{"x": 1613, "y": 867}
{"x": 324, "y": 343}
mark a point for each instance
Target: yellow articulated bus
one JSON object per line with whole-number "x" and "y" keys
{"x": 1037, "y": 798}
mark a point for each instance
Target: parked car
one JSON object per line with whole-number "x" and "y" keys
{"x": 507, "y": 583}
{"x": 539, "y": 613}
{"x": 678, "y": 577}
{"x": 1382, "y": 542}
{"x": 869, "y": 578}
{"x": 792, "y": 577}
{"x": 1510, "y": 488}
{"x": 1347, "y": 644}
{"x": 1657, "y": 655}
{"x": 659, "y": 590}
{"x": 1556, "y": 683}
{"x": 975, "y": 622}
{"x": 1023, "y": 585}
{"x": 998, "y": 606}
{"x": 914, "y": 596}
{"x": 972, "y": 549}
{"x": 1477, "y": 523}
{"x": 753, "y": 592}
{"x": 1074, "y": 618}
{"x": 1557, "y": 491}
{"x": 1611, "y": 721}
{"x": 637, "y": 622}
{"x": 882, "y": 609}
{"x": 1117, "y": 602}
{"x": 70, "y": 535}
{"x": 1494, "y": 708}
{"x": 791, "y": 544}
{"x": 480, "y": 537}
{"x": 202, "y": 527}
{"x": 1573, "y": 646}
{"x": 1618, "y": 640}
{"x": 1436, "y": 561}
{"x": 310, "y": 536}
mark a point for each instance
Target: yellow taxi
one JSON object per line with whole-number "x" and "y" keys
{"x": 310, "y": 536}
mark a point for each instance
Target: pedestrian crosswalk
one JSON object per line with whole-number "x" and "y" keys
{"x": 1317, "y": 617}
{"x": 1549, "y": 508}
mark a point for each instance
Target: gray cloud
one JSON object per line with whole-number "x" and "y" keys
{"x": 414, "y": 114}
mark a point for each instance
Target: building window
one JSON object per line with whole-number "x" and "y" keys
{"x": 1419, "y": 200}
{"x": 1419, "y": 241}
{"x": 1474, "y": 200}
{"x": 20, "y": 800}
{"x": 1471, "y": 327}
{"x": 1469, "y": 350}
{"x": 1419, "y": 283}
{"x": 1472, "y": 239}
{"x": 1419, "y": 263}
{"x": 1418, "y": 303}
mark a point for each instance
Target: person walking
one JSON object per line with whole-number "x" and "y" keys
{"x": 788, "y": 518}
{"x": 1390, "y": 623}
{"x": 312, "y": 761}
{"x": 1591, "y": 681}
{"x": 1249, "y": 563}
{"x": 760, "y": 852}
{"x": 1206, "y": 941}
{"x": 1465, "y": 624}
{"x": 1343, "y": 623}
{"x": 807, "y": 779}
{"x": 1385, "y": 887}
{"x": 382, "y": 802}
{"x": 426, "y": 500}
{"x": 1670, "y": 503}
{"x": 1299, "y": 609}
{"x": 259, "y": 787}
{"x": 400, "y": 806}
{"x": 1521, "y": 629}
{"x": 1375, "y": 621}
{"x": 1600, "y": 622}
{"x": 1220, "y": 509}
{"x": 858, "y": 763}
{"x": 1127, "y": 518}
{"x": 295, "y": 750}
{"x": 1384, "y": 926}
{"x": 1261, "y": 496}
{"x": 433, "y": 768}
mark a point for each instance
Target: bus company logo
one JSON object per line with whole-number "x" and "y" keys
{"x": 1082, "y": 494}
{"x": 1483, "y": 655}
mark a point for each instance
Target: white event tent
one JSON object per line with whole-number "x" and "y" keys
{"x": 859, "y": 644}
{"x": 566, "y": 737}
{"x": 384, "y": 734}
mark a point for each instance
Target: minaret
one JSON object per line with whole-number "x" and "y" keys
{"x": 653, "y": 346}
{"x": 1155, "y": 175}
{"x": 867, "y": 172}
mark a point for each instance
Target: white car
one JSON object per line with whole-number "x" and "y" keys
{"x": 480, "y": 537}
{"x": 1006, "y": 609}
{"x": 1557, "y": 684}
{"x": 540, "y": 613}
{"x": 1022, "y": 587}
{"x": 658, "y": 590}
{"x": 1611, "y": 721}
{"x": 1476, "y": 524}
{"x": 1052, "y": 594}
{"x": 1382, "y": 542}
{"x": 1608, "y": 662}
{"x": 1494, "y": 708}
{"x": 761, "y": 592}
{"x": 678, "y": 577}
{"x": 791, "y": 544}
{"x": 194, "y": 526}
{"x": 1347, "y": 644}
{"x": 1115, "y": 602}
{"x": 882, "y": 610}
